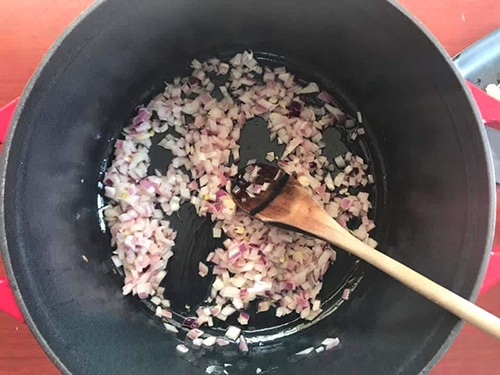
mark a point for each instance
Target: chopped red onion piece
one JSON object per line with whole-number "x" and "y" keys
{"x": 209, "y": 341}
{"x": 243, "y": 346}
{"x": 194, "y": 333}
{"x": 218, "y": 284}
{"x": 306, "y": 351}
{"x": 330, "y": 343}
{"x": 155, "y": 300}
{"x": 228, "y": 310}
{"x": 171, "y": 328}
{"x": 190, "y": 323}
{"x": 181, "y": 348}
{"x": 339, "y": 161}
{"x": 360, "y": 118}
{"x": 263, "y": 306}
{"x": 223, "y": 68}
{"x": 238, "y": 303}
{"x": 243, "y": 318}
{"x": 202, "y": 269}
{"x": 233, "y": 333}
{"x": 198, "y": 341}
{"x": 229, "y": 292}
{"x": 309, "y": 89}
{"x": 326, "y": 97}
{"x": 346, "y": 293}
{"x": 222, "y": 342}
{"x": 217, "y": 233}
{"x": 339, "y": 179}
{"x": 166, "y": 314}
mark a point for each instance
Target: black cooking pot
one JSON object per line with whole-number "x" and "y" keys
{"x": 434, "y": 187}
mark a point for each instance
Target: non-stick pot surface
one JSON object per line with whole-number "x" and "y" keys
{"x": 437, "y": 216}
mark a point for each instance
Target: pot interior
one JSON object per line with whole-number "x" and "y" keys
{"x": 433, "y": 191}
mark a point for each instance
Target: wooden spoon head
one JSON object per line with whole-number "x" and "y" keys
{"x": 284, "y": 201}
{"x": 256, "y": 185}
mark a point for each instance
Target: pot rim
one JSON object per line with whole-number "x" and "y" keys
{"x": 491, "y": 198}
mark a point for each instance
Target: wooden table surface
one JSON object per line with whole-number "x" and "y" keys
{"x": 29, "y": 27}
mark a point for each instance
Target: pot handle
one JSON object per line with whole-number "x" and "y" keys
{"x": 7, "y": 300}
{"x": 490, "y": 112}
{"x": 5, "y": 115}
{"x": 489, "y": 108}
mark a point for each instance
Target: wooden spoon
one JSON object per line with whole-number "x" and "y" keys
{"x": 272, "y": 196}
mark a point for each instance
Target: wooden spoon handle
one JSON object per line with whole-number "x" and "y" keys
{"x": 443, "y": 297}
{"x": 294, "y": 207}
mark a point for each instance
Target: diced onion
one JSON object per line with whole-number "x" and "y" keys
{"x": 181, "y": 348}
{"x": 202, "y": 269}
{"x": 194, "y": 333}
{"x": 305, "y": 351}
{"x": 243, "y": 318}
{"x": 198, "y": 341}
{"x": 330, "y": 343}
{"x": 243, "y": 346}
{"x": 170, "y": 328}
{"x": 346, "y": 293}
{"x": 209, "y": 341}
{"x": 233, "y": 333}
{"x": 256, "y": 262}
